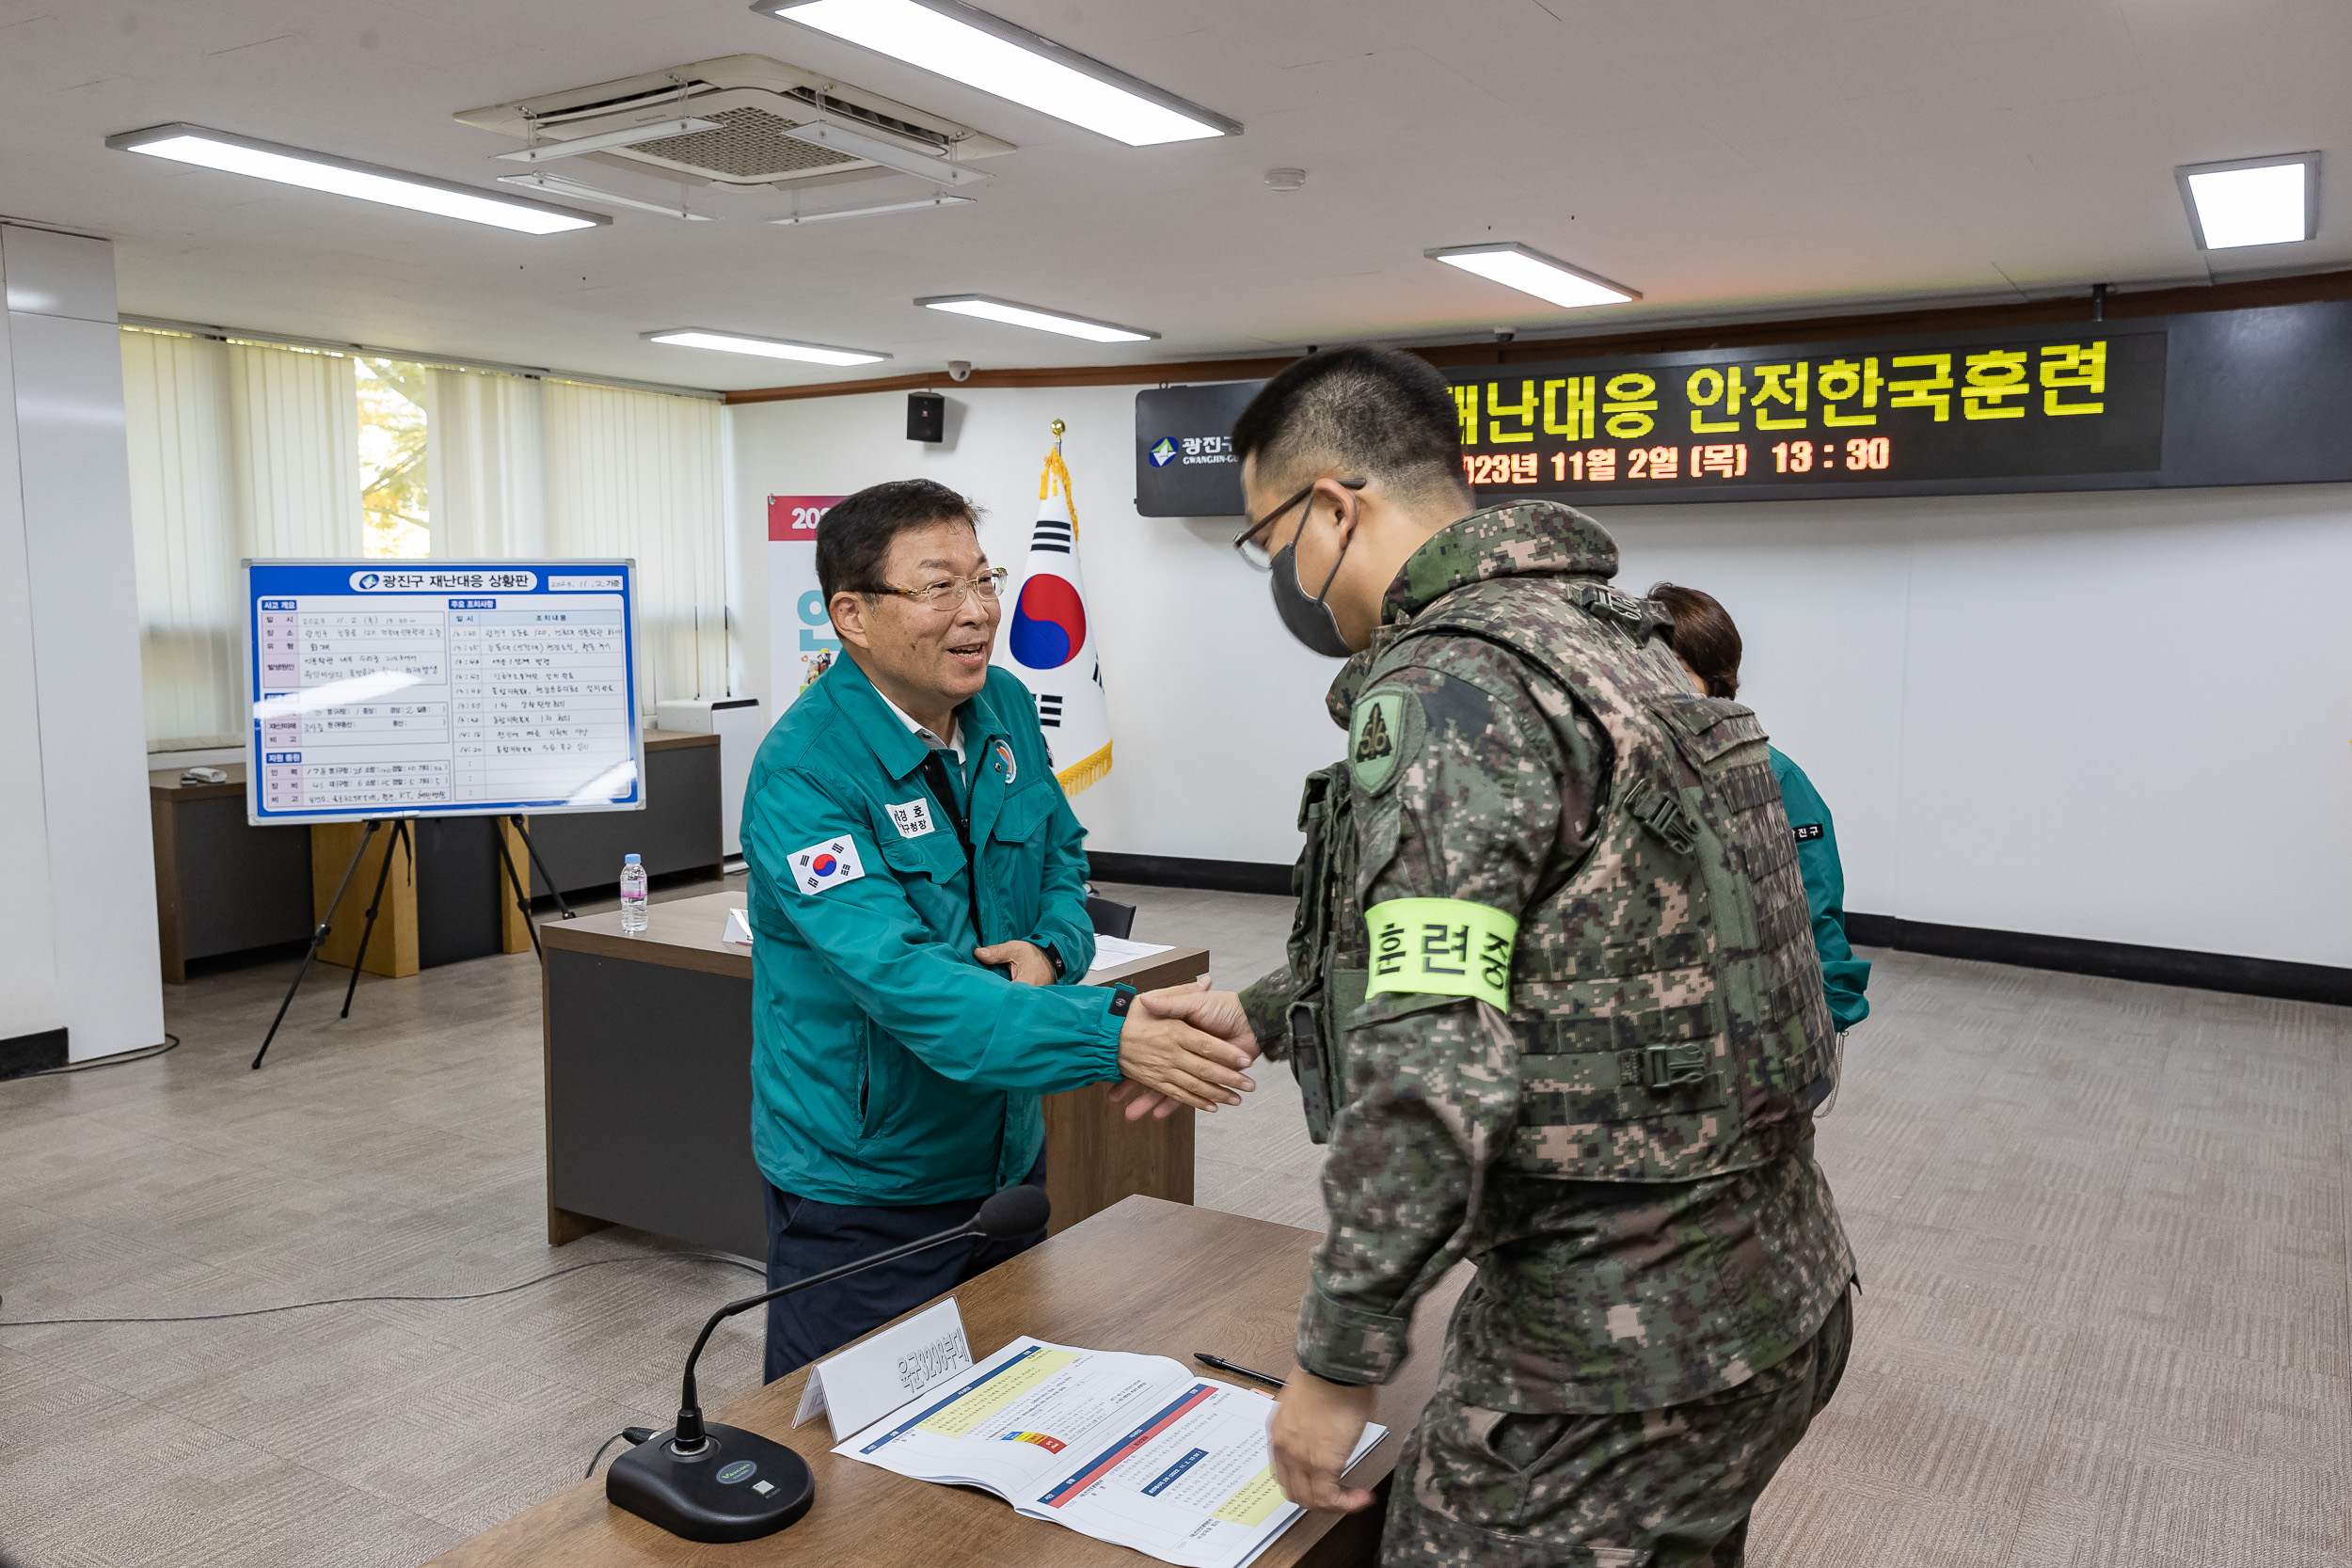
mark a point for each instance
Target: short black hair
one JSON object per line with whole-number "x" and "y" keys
{"x": 1379, "y": 411}
{"x": 855, "y": 535}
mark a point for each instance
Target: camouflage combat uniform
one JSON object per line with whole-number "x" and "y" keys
{"x": 1553, "y": 1002}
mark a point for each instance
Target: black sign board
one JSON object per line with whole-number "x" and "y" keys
{"x": 1184, "y": 462}
{"x": 2238, "y": 397}
{"x": 2226, "y": 396}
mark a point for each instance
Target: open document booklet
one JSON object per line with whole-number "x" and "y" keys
{"x": 1131, "y": 1449}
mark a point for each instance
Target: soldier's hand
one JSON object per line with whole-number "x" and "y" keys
{"x": 1170, "y": 1057}
{"x": 1030, "y": 966}
{"x": 1316, "y": 1425}
{"x": 1217, "y": 1012}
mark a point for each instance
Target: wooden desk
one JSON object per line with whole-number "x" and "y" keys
{"x": 222, "y": 885}
{"x": 1149, "y": 1276}
{"x": 647, "y": 1052}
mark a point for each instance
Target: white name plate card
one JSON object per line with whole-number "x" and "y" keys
{"x": 858, "y": 1386}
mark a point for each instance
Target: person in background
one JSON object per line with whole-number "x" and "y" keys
{"x": 1707, "y": 644}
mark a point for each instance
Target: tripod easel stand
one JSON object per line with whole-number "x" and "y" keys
{"x": 402, "y": 839}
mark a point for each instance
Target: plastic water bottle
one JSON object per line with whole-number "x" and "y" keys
{"x": 632, "y": 894}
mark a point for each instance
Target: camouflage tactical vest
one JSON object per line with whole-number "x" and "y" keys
{"x": 1665, "y": 993}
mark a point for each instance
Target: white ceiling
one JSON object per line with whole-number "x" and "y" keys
{"x": 1726, "y": 157}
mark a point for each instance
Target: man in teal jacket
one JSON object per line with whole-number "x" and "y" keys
{"x": 907, "y": 1014}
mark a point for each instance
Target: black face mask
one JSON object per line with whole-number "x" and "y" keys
{"x": 1309, "y": 620}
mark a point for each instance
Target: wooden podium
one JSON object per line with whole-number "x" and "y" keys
{"x": 648, "y": 1045}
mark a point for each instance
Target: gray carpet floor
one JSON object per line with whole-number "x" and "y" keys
{"x": 2102, "y": 1230}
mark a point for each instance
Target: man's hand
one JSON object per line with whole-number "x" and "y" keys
{"x": 1170, "y": 1059}
{"x": 1215, "y": 1012}
{"x": 1315, "y": 1428}
{"x": 1030, "y": 966}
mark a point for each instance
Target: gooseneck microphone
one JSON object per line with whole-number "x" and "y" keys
{"x": 704, "y": 1480}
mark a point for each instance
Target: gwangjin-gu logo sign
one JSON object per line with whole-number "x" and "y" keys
{"x": 1186, "y": 464}
{"x": 1204, "y": 449}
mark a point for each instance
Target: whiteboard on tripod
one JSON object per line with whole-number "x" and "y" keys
{"x": 380, "y": 689}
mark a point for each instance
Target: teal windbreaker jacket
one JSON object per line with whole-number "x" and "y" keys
{"x": 1843, "y": 975}
{"x": 888, "y": 1067}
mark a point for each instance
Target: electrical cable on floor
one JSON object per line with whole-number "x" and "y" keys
{"x": 145, "y": 1054}
{"x": 348, "y": 1301}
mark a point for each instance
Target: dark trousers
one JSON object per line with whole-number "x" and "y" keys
{"x": 806, "y": 1237}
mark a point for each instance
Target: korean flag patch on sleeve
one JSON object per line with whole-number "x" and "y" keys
{"x": 822, "y": 867}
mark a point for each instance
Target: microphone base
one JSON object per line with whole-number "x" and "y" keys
{"x": 714, "y": 1495}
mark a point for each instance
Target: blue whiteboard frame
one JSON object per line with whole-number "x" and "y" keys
{"x": 429, "y": 584}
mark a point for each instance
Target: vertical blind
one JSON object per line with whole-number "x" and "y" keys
{"x": 296, "y": 452}
{"x": 638, "y": 474}
{"x": 243, "y": 450}
{"x": 236, "y": 449}
{"x": 485, "y": 450}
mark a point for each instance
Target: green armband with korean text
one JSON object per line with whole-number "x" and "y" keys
{"x": 1441, "y": 947}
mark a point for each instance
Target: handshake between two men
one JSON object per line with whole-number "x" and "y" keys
{"x": 1190, "y": 1045}
{"x": 1183, "y": 1045}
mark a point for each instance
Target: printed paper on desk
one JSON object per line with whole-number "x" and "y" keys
{"x": 1133, "y": 1450}
{"x": 1110, "y": 952}
{"x": 738, "y": 927}
{"x": 860, "y": 1386}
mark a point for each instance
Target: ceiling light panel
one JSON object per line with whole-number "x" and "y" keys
{"x": 770, "y": 348}
{"x": 968, "y": 45}
{"x": 2252, "y": 200}
{"x": 1011, "y": 314}
{"x": 1532, "y": 272}
{"x": 318, "y": 172}
{"x": 604, "y": 141}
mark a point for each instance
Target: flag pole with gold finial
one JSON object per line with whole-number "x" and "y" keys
{"x": 1055, "y": 468}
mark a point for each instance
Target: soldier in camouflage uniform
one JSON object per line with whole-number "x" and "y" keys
{"x": 1552, "y": 1003}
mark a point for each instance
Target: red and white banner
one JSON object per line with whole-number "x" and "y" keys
{"x": 801, "y": 643}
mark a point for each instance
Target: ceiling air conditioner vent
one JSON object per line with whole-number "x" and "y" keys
{"x": 753, "y": 147}
{"x": 757, "y": 100}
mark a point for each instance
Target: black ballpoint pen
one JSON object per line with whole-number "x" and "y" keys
{"x": 1236, "y": 1369}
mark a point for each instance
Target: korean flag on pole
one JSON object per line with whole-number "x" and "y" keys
{"x": 1048, "y": 642}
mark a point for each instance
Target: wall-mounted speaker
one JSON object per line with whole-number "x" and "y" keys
{"x": 926, "y": 417}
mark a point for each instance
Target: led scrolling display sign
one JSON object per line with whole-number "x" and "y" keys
{"x": 2253, "y": 395}
{"x": 1876, "y": 417}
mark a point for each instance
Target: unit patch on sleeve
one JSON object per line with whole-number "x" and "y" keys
{"x": 822, "y": 867}
{"x": 1383, "y": 733}
{"x": 913, "y": 819}
{"x": 1806, "y": 830}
